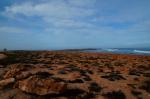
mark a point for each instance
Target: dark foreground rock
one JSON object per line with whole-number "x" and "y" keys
{"x": 115, "y": 95}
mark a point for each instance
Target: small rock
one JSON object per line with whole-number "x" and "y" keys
{"x": 87, "y": 79}
{"x": 132, "y": 85}
{"x": 146, "y": 74}
{"x": 94, "y": 87}
{"x": 76, "y": 81}
{"x": 62, "y": 72}
{"x": 6, "y": 82}
{"x": 1, "y": 66}
{"x": 89, "y": 71}
{"x": 115, "y": 95}
{"x": 136, "y": 93}
{"x": 113, "y": 77}
{"x": 134, "y": 72}
{"x": 57, "y": 79}
{"x": 23, "y": 75}
{"x": 146, "y": 85}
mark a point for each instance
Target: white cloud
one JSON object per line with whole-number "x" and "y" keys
{"x": 57, "y": 9}
{"x": 68, "y": 23}
{"x": 83, "y": 3}
{"x": 56, "y": 13}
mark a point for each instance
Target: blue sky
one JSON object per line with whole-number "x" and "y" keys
{"x": 53, "y": 24}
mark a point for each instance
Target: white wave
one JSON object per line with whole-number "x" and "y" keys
{"x": 140, "y": 51}
{"x": 111, "y": 50}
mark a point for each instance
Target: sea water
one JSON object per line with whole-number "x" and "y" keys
{"x": 142, "y": 51}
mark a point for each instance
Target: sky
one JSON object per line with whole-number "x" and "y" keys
{"x": 65, "y": 24}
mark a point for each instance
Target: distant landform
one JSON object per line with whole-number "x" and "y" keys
{"x": 138, "y": 51}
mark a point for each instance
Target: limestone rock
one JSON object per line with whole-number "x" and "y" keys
{"x": 14, "y": 70}
{"x": 2, "y": 56}
{"x": 6, "y": 82}
{"x": 36, "y": 71}
{"x": 21, "y": 71}
{"x": 40, "y": 86}
{"x": 1, "y": 66}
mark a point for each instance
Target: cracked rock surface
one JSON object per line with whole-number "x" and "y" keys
{"x": 73, "y": 75}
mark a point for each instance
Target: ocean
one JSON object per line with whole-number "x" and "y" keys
{"x": 138, "y": 51}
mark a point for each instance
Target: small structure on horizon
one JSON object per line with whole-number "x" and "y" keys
{"x": 5, "y": 50}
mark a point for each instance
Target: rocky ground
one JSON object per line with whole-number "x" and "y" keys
{"x": 73, "y": 75}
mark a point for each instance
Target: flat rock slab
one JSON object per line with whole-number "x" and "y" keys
{"x": 39, "y": 86}
{"x": 6, "y": 82}
{"x": 2, "y": 56}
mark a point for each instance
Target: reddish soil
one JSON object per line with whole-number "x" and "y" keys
{"x": 74, "y": 75}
